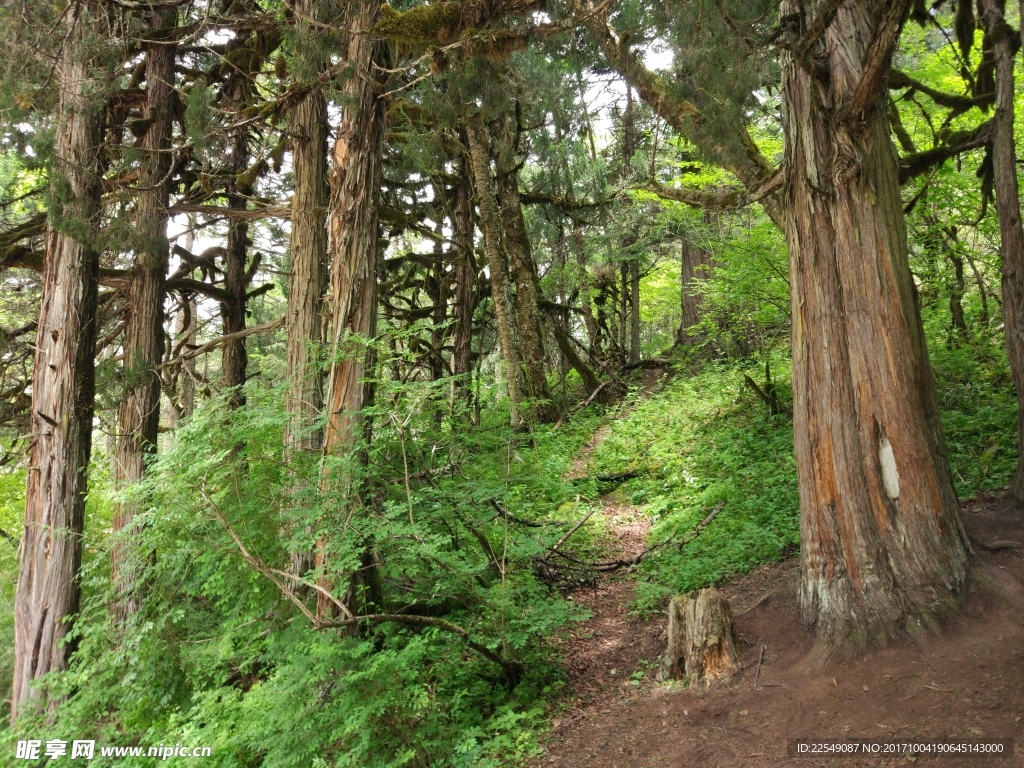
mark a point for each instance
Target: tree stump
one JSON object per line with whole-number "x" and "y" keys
{"x": 701, "y": 638}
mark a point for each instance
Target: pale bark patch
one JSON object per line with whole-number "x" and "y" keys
{"x": 890, "y": 475}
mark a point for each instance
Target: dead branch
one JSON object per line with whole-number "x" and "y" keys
{"x": 273, "y": 325}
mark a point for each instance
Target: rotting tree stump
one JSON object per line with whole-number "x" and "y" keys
{"x": 701, "y": 638}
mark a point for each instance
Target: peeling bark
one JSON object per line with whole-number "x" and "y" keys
{"x": 355, "y": 182}
{"x": 63, "y": 379}
{"x": 139, "y": 413}
{"x": 883, "y": 548}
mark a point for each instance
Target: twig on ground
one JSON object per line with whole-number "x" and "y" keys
{"x": 760, "y": 660}
{"x": 760, "y": 600}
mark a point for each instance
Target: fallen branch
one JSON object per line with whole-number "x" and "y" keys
{"x": 513, "y": 669}
{"x": 502, "y": 512}
{"x": 760, "y": 660}
{"x": 760, "y": 601}
{"x": 586, "y": 402}
{"x": 997, "y": 546}
{"x": 565, "y": 538}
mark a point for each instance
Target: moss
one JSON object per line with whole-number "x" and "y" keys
{"x": 436, "y": 23}
{"x": 493, "y": 44}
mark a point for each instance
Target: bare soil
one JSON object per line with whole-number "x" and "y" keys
{"x": 965, "y": 681}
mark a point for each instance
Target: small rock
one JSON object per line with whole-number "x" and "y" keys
{"x": 744, "y": 713}
{"x": 865, "y": 687}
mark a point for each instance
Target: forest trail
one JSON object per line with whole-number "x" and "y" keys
{"x": 967, "y": 681}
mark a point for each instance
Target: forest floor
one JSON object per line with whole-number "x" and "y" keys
{"x": 966, "y": 681}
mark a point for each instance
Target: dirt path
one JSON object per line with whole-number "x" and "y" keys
{"x": 967, "y": 681}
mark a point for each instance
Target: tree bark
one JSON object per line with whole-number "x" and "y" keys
{"x": 480, "y": 157}
{"x": 524, "y": 275}
{"x": 465, "y": 279}
{"x": 1011, "y": 234}
{"x": 307, "y": 274}
{"x": 883, "y": 548}
{"x": 139, "y": 413}
{"x": 355, "y": 181}
{"x": 701, "y": 638}
{"x": 234, "y": 358}
{"x": 586, "y": 301}
{"x": 63, "y": 380}
{"x": 307, "y": 281}
{"x": 695, "y": 263}
{"x": 631, "y": 269}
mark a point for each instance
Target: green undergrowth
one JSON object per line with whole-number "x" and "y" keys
{"x": 702, "y": 441}
{"x": 706, "y": 442}
{"x": 218, "y": 657}
{"x": 979, "y": 414}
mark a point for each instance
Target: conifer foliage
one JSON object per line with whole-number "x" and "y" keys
{"x": 308, "y": 306}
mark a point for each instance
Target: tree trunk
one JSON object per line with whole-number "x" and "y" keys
{"x": 307, "y": 281}
{"x": 465, "y": 280}
{"x": 63, "y": 378}
{"x": 586, "y": 301}
{"x": 307, "y": 275}
{"x": 696, "y": 262}
{"x": 480, "y": 157}
{"x": 355, "y": 181}
{"x": 883, "y": 548}
{"x": 524, "y": 275}
{"x": 234, "y": 358}
{"x": 139, "y": 413}
{"x": 701, "y": 638}
{"x": 1004, "y": 168}
{"x": 631, "y": 265}
{"x": 958, "y": 323}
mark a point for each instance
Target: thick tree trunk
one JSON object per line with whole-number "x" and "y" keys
{"x": 1004, "y": 168}
{"x": 883, "y": 548}
{"x": 139, "y": 413}
{"x": 480, "y": 157}
{"x": 524, "y": 275}
{"x": 307, "y": 281}
{"x": 63, "y": 379}
{"x": 355, "y": 181}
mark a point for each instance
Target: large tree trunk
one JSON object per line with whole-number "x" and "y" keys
{"x": 139, "y": 413}
{"x": 480, "y": 157}
{"x": 63, "y": 379}
{"x": 524, "y": 275}
{"x": 883, "y": 548}
{"x": 1004, "y": 168}
{"x": 355, "y": 181}
{"x": 307, "y": 280}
